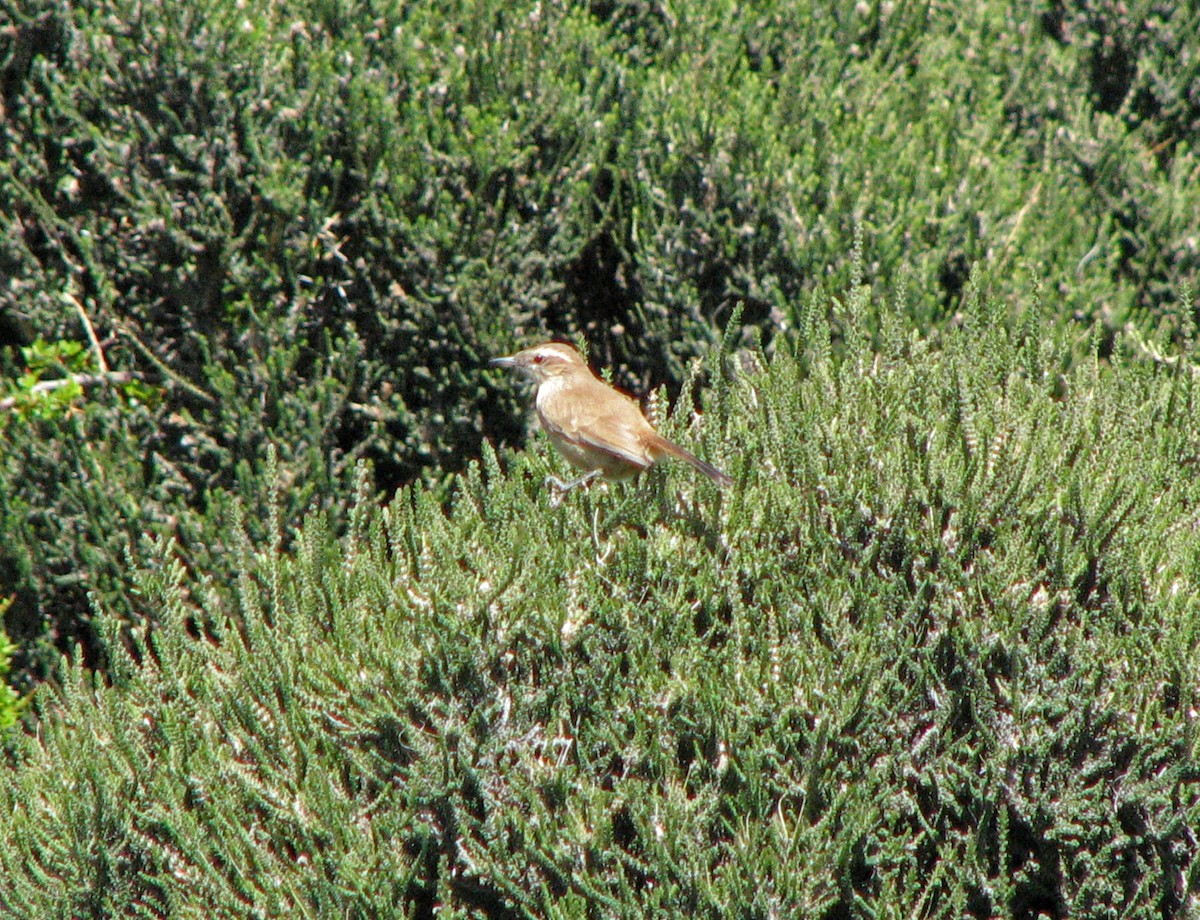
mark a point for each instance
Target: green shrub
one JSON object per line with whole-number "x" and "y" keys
{"x": 310, "y": 224}
{"x": 934, "y": 654}
{"x": 10, "y": 703}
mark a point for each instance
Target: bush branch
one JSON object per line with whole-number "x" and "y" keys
{"x": 109, "y": 379}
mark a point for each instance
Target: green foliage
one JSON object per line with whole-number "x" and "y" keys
{"x": 31, "y": 402}
{"x": 309, "y": 224}
{"x": 10, "y": 704}
{"x": 35, "y": 396}
{"x": 934, "y": 654}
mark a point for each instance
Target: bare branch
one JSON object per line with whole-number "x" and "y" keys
{"x": 108, "y": 379}
{"x": 91, "y": 332}
{"x": 1149, "y": 350}
{"x": 172, "y": 377}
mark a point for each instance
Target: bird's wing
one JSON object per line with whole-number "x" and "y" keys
{"x": 615, "y": 426}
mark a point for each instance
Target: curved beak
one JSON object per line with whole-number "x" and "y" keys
{"x": 506, "y": 361}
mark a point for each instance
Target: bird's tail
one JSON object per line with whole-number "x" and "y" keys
{"x": 663, "y": 446}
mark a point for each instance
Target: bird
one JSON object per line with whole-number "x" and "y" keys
{"x": 597, "y": 428}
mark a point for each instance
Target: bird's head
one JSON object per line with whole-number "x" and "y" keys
{"x": 545, "y": 361}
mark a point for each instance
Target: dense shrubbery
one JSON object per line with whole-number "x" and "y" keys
{"x": 10, "y": 704}
{"x": 935, "y": 652}
{"x": 937, "y": 657}
{"x": 309, "y": 225}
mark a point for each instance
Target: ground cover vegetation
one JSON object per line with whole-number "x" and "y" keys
{"x": 328, "y": 650}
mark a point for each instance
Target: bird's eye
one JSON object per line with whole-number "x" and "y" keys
{"x": 539, "y": 359}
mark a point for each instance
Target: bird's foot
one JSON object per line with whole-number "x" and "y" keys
{"x": 560, "y": 488}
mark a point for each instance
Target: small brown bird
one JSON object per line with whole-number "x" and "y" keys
{"x": 600, "y": 430}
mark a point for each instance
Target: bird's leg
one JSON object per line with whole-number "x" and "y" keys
{"x": 559, "y": 486}
{"x": 602, "y": 554}
{"x": 562, "y": 488}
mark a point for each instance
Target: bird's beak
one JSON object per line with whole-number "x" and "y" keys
{"x": 507, "y": 361}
